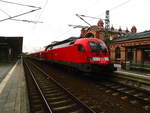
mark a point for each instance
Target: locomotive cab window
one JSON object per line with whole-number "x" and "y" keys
{"x": 71, "y": 43}
{"x": 49, "y": 48}
{"x": 81, "y": 48}
{"x": 97, "y": 47}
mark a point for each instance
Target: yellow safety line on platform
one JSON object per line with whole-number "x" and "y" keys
{"x": 5, "y": 80}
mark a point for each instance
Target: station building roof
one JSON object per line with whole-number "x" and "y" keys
{"x": 134, "y": 36}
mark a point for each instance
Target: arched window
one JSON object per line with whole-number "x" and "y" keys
{"x": 89, "y": 35}
{"x": 117, "y": 53}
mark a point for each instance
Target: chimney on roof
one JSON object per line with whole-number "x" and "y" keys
{"x": 100, "y": 24}
{"x": 120, "y": 30}
{"x": 112, "y": 28}
{"x": 127, "y": 30}
{"x": 133, "y": 29}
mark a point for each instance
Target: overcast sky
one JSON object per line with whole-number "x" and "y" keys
{"x": 56, "y": 15}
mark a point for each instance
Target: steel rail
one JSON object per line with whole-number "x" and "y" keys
{"x": 124, "y": 93}
{"x": 39, "y": 89}
{"x": 68, "y": 92}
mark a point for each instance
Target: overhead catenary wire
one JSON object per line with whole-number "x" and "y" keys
{"x": 120, "y": 5}
{"x": 89, "y": 16}
{"x": 46, "y": 2}
{"x": 12, "y": 17}
{"x": 113, "y": 8}
{"x": 5, "y": 12}
{"x": 19, "y": 4}
{"x": 29, "y": 21}
{"x": 20, "y": 14}
{"x": 82, "y": 19}
{"x": 64, "y": 33}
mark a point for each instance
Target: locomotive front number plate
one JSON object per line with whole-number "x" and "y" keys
{"x": 96, "y": 59}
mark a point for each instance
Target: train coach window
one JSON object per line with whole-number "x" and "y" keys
{"x": 81, "y": 48}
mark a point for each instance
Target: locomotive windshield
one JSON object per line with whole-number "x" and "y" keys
{"x": 98, "y": 47}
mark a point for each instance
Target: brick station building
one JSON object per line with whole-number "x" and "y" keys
{"x": 98, "y": 31}
{"x": 125, "y": 46}
{"x": 133, "y": 48}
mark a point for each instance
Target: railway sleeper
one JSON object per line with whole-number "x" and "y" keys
{"x": 35, "y": 97}
{"x": 60, "y": 102}
{"x": 45, "y": 84}
{"x": 78, "y": 111}
{"x": 59, "y": 98}
{"x": 66, "y": 109}
{"x": 147, "y": 99}
{"x": 51, "y": 91}
{"x": 37, "y": 107}
{"x": 37, "y": 101}
{"x": 121, "y": 89}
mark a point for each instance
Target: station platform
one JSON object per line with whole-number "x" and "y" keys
{"x": 135, "y": 74}
{"x": 5, "y": 68}
{"x": 13, "y": 91}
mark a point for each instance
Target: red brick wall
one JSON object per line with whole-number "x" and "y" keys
{"x": 137, "y": 54}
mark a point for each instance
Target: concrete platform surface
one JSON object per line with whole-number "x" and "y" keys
{"x": 134, "y": 72}
{"x": 143, "y": 75}
{"x": 13, "y": 91}
{"x": 4, "y": 69}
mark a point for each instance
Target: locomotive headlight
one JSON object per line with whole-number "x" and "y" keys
{"x": 106, "y": 59}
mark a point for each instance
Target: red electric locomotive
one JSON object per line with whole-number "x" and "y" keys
{"x": 84, "y": 54}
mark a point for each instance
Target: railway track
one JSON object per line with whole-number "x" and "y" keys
{"x": 103, "y": 96}
{"x": 134, "y": 96}
{"x": 141, "y": 82}
{"x": 48, "y": 96}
